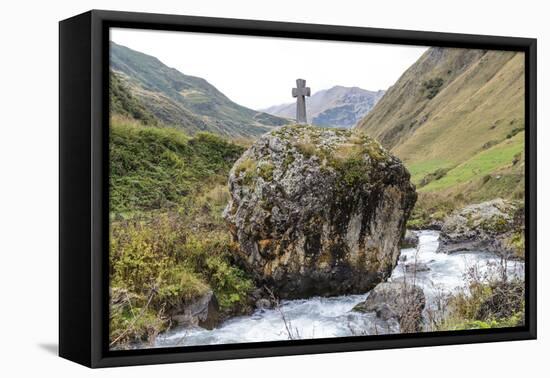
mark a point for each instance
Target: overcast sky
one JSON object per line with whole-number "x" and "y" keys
{"x": 258, "y": 72}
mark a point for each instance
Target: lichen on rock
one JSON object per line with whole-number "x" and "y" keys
{"x": 318, "y": 211}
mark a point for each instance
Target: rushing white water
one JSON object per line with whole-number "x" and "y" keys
{"x": 447, "y": 271}
{"x": 319, "y": 317}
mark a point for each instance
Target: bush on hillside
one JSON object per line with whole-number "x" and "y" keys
{"x": 156, "y": 262}
{"x": 432, "y": 87}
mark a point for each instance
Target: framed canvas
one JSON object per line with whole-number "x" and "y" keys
{"x": 236, "y": 188}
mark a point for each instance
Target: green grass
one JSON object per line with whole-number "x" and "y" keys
{"x": 266, "y": 171}
{"x": 481, "y": 164}
{"x": 421, "y": 169}
{"x": 158, "y": 168}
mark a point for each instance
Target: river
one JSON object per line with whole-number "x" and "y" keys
{"x": 320, "y": 317}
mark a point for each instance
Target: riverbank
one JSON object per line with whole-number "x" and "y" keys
{"x": 320, "y": 317}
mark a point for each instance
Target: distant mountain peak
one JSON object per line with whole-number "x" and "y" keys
{"x": 338, "y": 106}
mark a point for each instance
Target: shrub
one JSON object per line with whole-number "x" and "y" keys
{"x": 517, "y": 243}
{"x": 354, "y": 171}
{"x": 514, "y": 132}
{"x": 432, "y": 87}
{"x": 162, "y": 260}
{"x": 168, "y": 242}
{"x": 246, "y": 169}
{"x": 434, "y": 176}
{"x": 211, "y": 257}
{"x": 490, "y": 300}
{"x": 131, "y": 321}
{"x": 230, "y": 284}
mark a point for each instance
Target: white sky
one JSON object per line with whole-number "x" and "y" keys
{"x": 258, "y": 72}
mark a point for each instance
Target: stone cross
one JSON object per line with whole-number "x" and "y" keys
{"x": 300, "y": 92}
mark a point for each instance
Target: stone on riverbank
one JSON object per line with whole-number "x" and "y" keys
{"x": 202, "y": 311}
{"x": 494, "y": 226}
{"x": 399, "y": 300}
{"x": 409, "y": 240}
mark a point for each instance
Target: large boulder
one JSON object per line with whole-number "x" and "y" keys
{"x": 397, "y": 300}
{"x": 495, "y": 226}
{"x": 318, "y": 211}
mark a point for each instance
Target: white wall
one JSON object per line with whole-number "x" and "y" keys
{"x": 28, "y": 198}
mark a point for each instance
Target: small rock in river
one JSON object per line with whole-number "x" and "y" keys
{"x": 416, "y": 267}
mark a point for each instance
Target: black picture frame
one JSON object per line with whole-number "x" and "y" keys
{"x": 83, "y": 182}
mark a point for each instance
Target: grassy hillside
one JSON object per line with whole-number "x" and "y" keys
{"x": 157, "y": 168}
{"x": 505, "y": 157}
{"x": 186, "y": 101}
{"x": 123, "y": 103}
{"x": 168, "y": 241}
{"x": 456, "y": 119}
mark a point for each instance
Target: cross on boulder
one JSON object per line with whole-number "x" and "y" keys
{"x": 300, "y": 92}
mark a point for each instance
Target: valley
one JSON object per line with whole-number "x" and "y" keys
{"x": 235, "y": 225}
{"x": 183, "y": 101}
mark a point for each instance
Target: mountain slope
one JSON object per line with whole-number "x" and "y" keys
{"x": 123, "y": 103}
{"x": 335, "y": 107}
{"x": 451, "y": 106}
{"x": 185, "y": 101}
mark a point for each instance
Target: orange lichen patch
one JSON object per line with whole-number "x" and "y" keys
{"x": 325, "y": 260}
{"x": 264, "y": 244}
